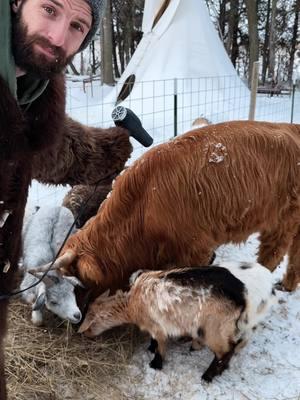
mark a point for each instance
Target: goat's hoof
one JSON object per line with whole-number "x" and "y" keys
{"x": 207, "y": 377}
{"x": 157, "y": 362}
{"x": 154, "y": 365}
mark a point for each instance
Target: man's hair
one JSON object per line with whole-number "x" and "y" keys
{"x": 98, "y": 8}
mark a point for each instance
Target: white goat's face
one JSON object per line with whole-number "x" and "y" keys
{"x": 59, "y": 297}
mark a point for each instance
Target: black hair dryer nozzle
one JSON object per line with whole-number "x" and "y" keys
{"x": 127, "y": 119}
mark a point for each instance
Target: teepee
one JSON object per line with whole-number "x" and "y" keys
{"x": 181, "y": 52}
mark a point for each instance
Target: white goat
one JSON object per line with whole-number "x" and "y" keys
{"x": 43, "y": 234}
{"x": 218, "y": 306}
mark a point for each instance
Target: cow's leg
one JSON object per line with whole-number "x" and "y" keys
{"x": 274, "y": 245}
{"x": 292, "y": 276}
{"x": 200, "y": 255}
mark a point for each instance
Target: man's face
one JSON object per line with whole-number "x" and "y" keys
{"x": 46, "y": 34}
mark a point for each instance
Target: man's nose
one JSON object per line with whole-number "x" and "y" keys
{"x": 58, "y": 33}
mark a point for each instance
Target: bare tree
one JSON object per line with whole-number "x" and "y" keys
{"x": 233, "y": 24}
{"x": 107, "y": 47}
{"x": 272, "y": 42}
{"x": 265, "y": 49}
{"x": 251, "y": 6}
{"x": 296, "y": 9}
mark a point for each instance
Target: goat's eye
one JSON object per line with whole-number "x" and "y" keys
{"x": 53, "y": 303}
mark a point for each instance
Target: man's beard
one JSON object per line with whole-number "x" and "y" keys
{"x": 27, "y": 59}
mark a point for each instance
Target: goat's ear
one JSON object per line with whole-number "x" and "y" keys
{"x": 102, "y": 297}
{"x": 74, "y": 281}
{"x": 135, "y": 275}
{"x": 40, "y": 302}
{"x": 105, "y": 294}
{"x": 85, "y": 325}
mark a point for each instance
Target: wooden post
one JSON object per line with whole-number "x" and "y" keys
{"x": 254, "y": 84}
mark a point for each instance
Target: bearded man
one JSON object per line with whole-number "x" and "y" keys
{"x": 37, "y": 140}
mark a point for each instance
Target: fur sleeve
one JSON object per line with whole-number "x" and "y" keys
{"x": 45, "y": 116}
{"x": 12, "y": 124}
{"x": 84, "y": 155}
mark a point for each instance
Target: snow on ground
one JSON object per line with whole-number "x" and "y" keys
{"x": 268, "y": 368}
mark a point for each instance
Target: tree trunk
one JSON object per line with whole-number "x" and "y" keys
{"x": 233, "y": 23}
{"x": 222, "y": 18}
{"x": 272, "y": 43}
{"x": 294, "y": 41}
{"x": 106, "y": 47}
{"x": 251, "y": 6}
{"x": 265, "y": 52}
{"x": 115, "y": 59}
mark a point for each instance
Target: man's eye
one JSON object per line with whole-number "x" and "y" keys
{"x": 77, "y": 26}
{"x": 49, "y": 10}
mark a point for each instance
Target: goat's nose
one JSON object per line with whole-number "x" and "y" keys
{"x": 77, "y": 316}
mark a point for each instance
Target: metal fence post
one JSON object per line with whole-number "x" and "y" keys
{"x": 175, "y": 107}
{"x": 254, "y": 84}
{"x": 293, "y": 102}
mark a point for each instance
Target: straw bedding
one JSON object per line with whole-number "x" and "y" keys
{"x": 55, "y": 363}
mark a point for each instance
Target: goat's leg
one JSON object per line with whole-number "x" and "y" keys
{"x": 153, "y": 345}
{"x": 37, "y": 317}
{"x": 292, "y": 276}
{"x": 160, "y": 351}
{"x": 274, "y": 245}
{"x": 219, "y": 364}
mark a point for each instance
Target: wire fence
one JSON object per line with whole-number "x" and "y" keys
{"x": 170, "y": 107}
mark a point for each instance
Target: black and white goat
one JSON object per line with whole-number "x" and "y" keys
{"x": 218, "y": 306}
{"x": 43, "y": 234}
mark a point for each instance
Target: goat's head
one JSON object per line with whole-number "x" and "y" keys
{"x": 57, "y": 292}
{"x": 103, "y": 314}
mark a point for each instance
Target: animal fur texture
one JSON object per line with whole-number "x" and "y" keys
{"x": 183, "y": 199}
{"x": 84, "y": 155}
{"x": 43, "y": 234}
{"x": 84, "y": 201}
{"x": 218, "y": 306}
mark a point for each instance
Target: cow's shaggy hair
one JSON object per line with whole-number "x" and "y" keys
{"x": 184, "y": 198}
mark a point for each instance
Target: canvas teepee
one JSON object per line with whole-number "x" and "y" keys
{"x": 179, "y": 41}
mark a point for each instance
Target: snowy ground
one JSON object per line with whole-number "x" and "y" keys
{"x": 268, "y": 368}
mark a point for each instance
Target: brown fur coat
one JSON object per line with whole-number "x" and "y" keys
{"x": 41, "y": 142}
